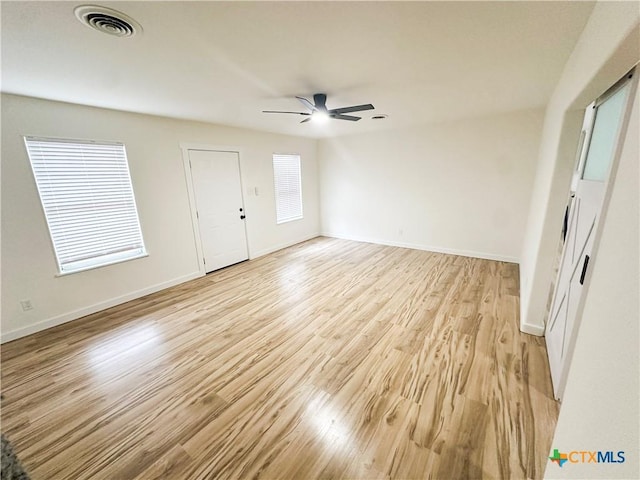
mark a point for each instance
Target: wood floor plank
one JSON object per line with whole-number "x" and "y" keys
{"x": 328, "y": 359}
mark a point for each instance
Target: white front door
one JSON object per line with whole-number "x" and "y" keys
{"x": 603, "y": 123}
{"x": 220, "y": 209}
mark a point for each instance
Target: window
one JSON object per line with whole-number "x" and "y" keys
{"x": 286, "y": 173}
{"x": 88, "y": 202}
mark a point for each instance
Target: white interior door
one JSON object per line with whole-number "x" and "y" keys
{"x": 220, "y": 209}
{"x": 604, "y": 120}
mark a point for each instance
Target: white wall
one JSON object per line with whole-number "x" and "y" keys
{"x": 460, "y": 187}
{"x": 600, "y": 409}
{"x": 606, "y": 50}
{"x": 600, "y": 405}
{"x": 155, "y": 159}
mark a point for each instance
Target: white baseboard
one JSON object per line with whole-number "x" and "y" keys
{"x": 275, "y": 248}
{"x": 74, "y": 315}
{"x": 536, "y": 330}
{"x": 429, "y": 248}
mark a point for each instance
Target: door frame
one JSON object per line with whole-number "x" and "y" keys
{"x": 195, "y": 224}
{"x": 634, "y": 73}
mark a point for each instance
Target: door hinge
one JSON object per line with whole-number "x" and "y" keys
{"x": 203, "y": 260}
{"x": 197, "y": 215}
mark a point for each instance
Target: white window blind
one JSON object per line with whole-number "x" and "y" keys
{"x": 87, "y": 197}
{"x": 286, "y": 173}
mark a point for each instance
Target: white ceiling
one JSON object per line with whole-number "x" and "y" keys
{"x": 225, "y": 62}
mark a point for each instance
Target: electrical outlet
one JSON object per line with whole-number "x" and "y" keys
{"x": 26, "y": 305}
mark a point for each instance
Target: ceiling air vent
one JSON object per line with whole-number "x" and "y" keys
{"x": 107, "y": 20}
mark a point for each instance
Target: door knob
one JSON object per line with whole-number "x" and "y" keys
{"x": 242, "y": 217}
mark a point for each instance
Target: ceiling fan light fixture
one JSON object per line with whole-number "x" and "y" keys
{"x": 319, "y": 117}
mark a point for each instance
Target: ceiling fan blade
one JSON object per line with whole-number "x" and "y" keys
{"x": 278, "y": 111}
{"x": 307, "y": 103}
{"x": 320, "y": 100}
{"x": 355, "y": 108}
{"x": 344, "y": 117}
{"x": 306, "y": 120}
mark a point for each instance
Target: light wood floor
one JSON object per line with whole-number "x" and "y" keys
{"x": 330, "y": 359}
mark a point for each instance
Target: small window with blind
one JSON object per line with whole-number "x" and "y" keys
{"x": 88, "y": 202}
{"x": 286, "y": 174}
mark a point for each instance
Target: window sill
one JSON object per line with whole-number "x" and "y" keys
{"x": 93, "y": 267}
{"x": 289, "y": 220}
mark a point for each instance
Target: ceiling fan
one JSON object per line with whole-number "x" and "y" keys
{"x": 318, "y": 110}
